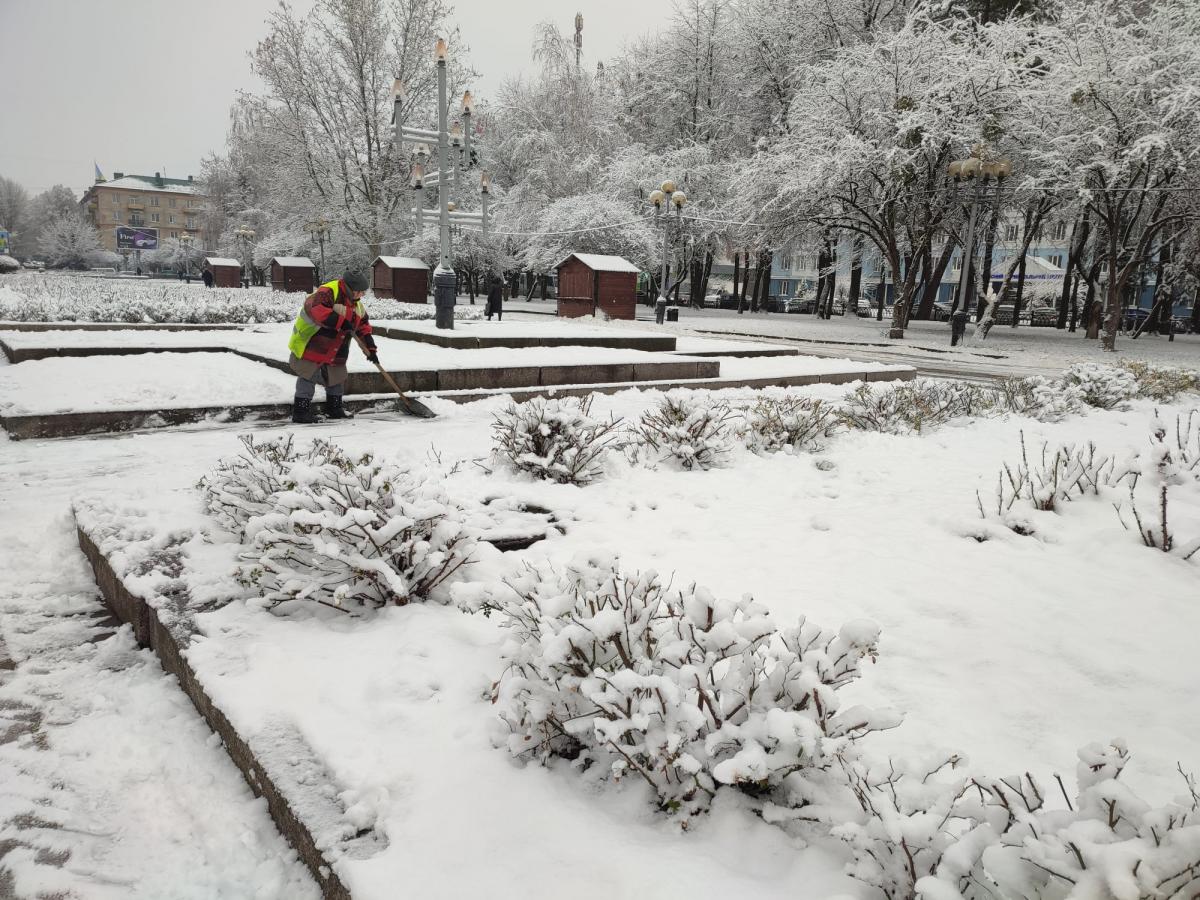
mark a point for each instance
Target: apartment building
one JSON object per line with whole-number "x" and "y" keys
{"x": 166, "y": 207}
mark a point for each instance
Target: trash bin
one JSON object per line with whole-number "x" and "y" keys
{"x": 672, "y": 313}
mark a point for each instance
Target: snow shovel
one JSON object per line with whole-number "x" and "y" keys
{"x": 408, "y": 404}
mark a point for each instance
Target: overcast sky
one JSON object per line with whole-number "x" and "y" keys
{"x": 146, "y": 85}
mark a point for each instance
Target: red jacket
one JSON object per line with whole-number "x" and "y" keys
{"x": 326, "y": 322}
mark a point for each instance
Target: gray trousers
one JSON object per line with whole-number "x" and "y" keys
{"x": 309, "y": 375}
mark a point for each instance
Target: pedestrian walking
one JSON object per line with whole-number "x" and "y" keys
{"x": 495, "y": 299}
{"x": 320, "y": 344}
{"x": 207, "y": 277}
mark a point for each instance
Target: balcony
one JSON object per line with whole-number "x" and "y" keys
{"x": 135, "y": 204}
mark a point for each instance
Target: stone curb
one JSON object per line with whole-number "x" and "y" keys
{"x": 170, "y": 649}
{"x": 66, "y": 425}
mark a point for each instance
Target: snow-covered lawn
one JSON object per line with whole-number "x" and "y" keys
{"x": 1025, "y": 348}
{"x": 1014, "y": 650}
{"x": 58, "y": 297}
{"x": 144, "y": 381}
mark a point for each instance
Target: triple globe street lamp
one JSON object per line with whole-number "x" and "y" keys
{"x": 451, "y": 141}
{"x": 318, "y": 228}
{"x": 982, "y": 170}
{"x": 666, "y": 193}
{"x": 245, "y": 237}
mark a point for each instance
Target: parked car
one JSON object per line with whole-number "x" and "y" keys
{"x": 712, "y": 301}
{"x": 941, "y": 311}
{"x": 806, "y": 305}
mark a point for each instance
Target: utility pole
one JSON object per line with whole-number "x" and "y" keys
{"x": 578, "y": 38}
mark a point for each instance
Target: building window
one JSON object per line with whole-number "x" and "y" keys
{"x": 171, "y": 220}
{"x": 1010, "y": 232}
{"x": 171, "y": 202}
{"x": 1059, "y": 231}
{"x": 116, "y": 216}
{"x": 154, "y": 201}
{"x": 154, "y": 217}
{"x": 174, "y": 234}
{"x": 191, "y": 222}
{"x": 116, "y": 198}
{"x": 1056, "y": 260}
{"x": 135, "y": 219}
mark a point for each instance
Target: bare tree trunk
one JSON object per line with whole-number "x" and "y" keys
{"x": 1020, "y": 292}
{"x": 1091, "y": 316}
{"x": 1074, "y": 302}
{"x": 708, "y": 261}
{"x": 737, "y": 273}
{"x": 855, "y": 274}
{"x": 881, "y": 297}
{"x": 989, "y": 248}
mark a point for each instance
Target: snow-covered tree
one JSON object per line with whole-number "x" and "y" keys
{"x": 68, "y": 241}
{"x": 14, "y": 209}
{"x": 1125, "y": 79}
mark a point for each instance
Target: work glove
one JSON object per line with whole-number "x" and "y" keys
{"x": 373, "y": 357}
{"x": 347, "y": 326}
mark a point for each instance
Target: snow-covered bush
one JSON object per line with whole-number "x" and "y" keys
{"x": 1172, "y": 462}
{"x": 914, "y": 406}
{"x": 40, "y": 297}
{"x": 1057, "y": 476}
{"x": 931, "y": 831}
{"x": 630, "y": 677}
{"x": 321, "y": 525}
{"x": 1044, "y": 399}
{"x": 8, "y": 264}
{"x": 557, "y": 440}
{"x": 244, "y": 486}
{"x": 694, "y": 433}
{"x": 1162, "y": 383}
{"x": 1104, "y": 387}
{"x": 788, "y": 423}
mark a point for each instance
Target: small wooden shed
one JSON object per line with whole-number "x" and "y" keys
{"x": 589, "y": 283}
{"x": 293, "y": 273}
{"x": 403, "y": 278}
{"x": 226, "y": 272}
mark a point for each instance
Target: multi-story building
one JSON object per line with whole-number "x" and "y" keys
{"x": 171, "y": 206}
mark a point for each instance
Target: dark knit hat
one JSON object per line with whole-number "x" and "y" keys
{"x": 356, "y": 281}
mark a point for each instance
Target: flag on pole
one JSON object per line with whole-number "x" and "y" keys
{"x": 99, "y": 174}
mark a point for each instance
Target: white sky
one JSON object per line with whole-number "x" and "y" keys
{"x": 146, "y": 85}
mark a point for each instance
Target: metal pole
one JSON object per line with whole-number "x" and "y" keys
{"x": 958, "y": 327}
{"x": 443, "y": 161}
{"x": 660, "y": 307}
{"x": 444, "y": 283}
{"x": 485, "y": 214}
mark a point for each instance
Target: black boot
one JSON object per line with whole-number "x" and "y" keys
{"x": 302, "y": 412}
{"x": 335, "y": 410}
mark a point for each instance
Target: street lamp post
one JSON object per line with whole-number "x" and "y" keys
{"x": 667, "y": 192}
{"x": 453, "y": 144}
{"x": 963, "y": 170}
{"x": 318, "y": 228}
{"x": 185, "y": 241}
{"x": 245, "y": 236}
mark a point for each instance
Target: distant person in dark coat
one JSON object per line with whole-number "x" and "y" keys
{"x": 495, "y": 300}
{"x": 207, "y": 277}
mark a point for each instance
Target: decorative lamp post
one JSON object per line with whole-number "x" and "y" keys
{"x": 185, "y": 241}
{"x": 666, "y": 193}
{"x": 318, "y": 228}
{"x": 982, "y": 171}
{"x": 456, "y": 138}
{"x": 245, "y": 237}
{"x": 485, "y": 190}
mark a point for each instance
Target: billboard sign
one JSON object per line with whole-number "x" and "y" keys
{"x": 4, "y": 243}
{"x": 136, "y": 238}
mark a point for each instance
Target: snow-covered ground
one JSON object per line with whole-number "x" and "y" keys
{"x": 110, "y": 784}
{"x": 1014, "y": 651}
{"x": 1019, "y": 351}
{"x": 144, "y": 381}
